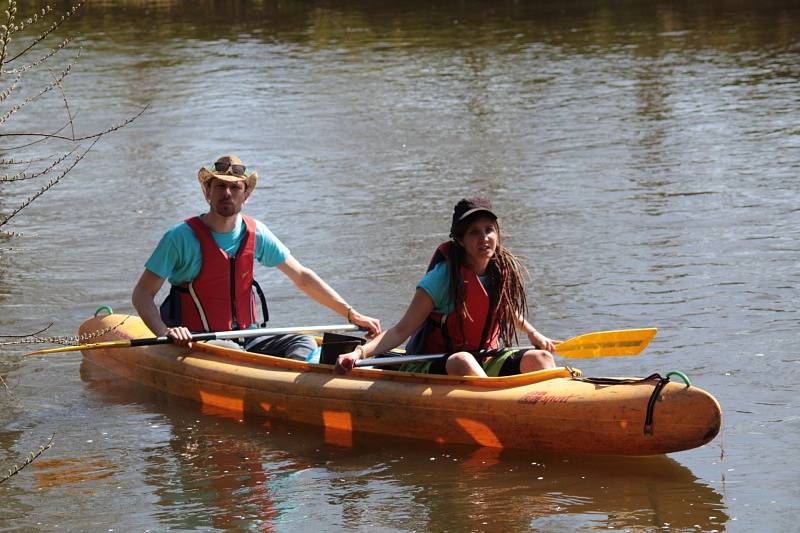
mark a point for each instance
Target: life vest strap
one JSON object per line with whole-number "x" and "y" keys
{"x": 264, "y": 308}
{"x": 200, "y": 311}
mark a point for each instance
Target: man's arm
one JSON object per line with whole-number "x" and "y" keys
{"x": 143, "y": 298}
{"x": 310, "y": 283}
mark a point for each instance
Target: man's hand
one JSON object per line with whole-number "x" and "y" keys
{"x": 180, "y": 335}
{"x": 372, "y": 325}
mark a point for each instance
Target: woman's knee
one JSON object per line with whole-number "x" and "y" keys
{"x": 534, "y": 360}
{"x": 463, "y": 364}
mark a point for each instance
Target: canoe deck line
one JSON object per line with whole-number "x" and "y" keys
{"x": 546, "y": 411}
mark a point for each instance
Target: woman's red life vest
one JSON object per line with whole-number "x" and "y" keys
{"x": 220, "y": 298}
{"x": 443, "y": 333}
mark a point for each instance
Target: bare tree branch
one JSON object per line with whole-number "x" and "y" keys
{"x": 12, "y": 161}
{"x": 67, "y": 340}
{"x": 22, "y": 176}
{"x": 49, "y": 87}
{"x": 49, "y": 184}
{"x": 31, "y": 458}
{"x": 37, "y": 141}
{"x": 28, "y": 167}
{"x": 50, "y": 30}
{"x": 84, "y": 138}
{"x": 66, "y": 103}
{"x": 50, "y": 53}
{"x": 30, "y": 334}
{"x": 10, "y": 89}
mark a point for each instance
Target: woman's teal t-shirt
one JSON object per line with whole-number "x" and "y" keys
{"x": 437, "y": 284}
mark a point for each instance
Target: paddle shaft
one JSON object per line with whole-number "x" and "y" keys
{"x": 399, "y": 359}
{"x": 247, "y": 334}
{"x": 197, "y": 337}
{"x": 597, "y": 344}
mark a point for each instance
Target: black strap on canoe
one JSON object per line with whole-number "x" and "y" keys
{"x": 651, "y": 403}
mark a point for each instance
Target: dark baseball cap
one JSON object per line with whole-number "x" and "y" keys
{"x": 469, "y": 206}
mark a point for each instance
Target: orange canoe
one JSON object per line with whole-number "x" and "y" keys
{"x": 547, "y": 411}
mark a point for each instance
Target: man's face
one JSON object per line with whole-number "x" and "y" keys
{"x": 226, "y": 198}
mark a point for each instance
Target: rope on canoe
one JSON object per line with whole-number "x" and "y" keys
{"x": 680, "y": 375}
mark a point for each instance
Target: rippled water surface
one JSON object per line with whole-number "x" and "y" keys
{"x": 644, "y": 157}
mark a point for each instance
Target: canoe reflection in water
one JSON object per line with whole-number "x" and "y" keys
{"x": 220, "y": 470}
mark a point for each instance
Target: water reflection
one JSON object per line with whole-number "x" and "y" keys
{"x": 215, "y": 469}
{"x": 217, "y": 476}
{"x": 585, "y": 26}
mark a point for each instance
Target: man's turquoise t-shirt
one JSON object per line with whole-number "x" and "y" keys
{"x": 437, "y": 284}
{"x": 177, "y": 257}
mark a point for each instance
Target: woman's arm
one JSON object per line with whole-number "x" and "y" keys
{"x": 536, "y": 338}
{"x": 418, "y": 310}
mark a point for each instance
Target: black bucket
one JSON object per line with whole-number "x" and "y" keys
{"x": 335, "y": 344}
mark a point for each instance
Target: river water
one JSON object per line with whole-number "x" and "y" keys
{"x": 644, "y": 157}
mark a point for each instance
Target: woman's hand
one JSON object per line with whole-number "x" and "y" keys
{"x": 372, "y": 325}
{"x": 347, "y": 361}
{"x": 542, "y": 342}
{"x": 179, "y": 335}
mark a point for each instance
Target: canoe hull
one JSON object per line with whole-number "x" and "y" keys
{"x": 546, "y": 412}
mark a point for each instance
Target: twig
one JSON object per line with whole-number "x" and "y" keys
{"x": 14, "y": 28}
{"x": 65, "y": 340}
{"x": 19, "y": 176}
{"x": 30, "y": 334}
{"x": 66, "y": 103}
{"x": 76, "y": 139}
{"x": 31, "y": 458}
{"x": 47, "y": 32}
{"x": 12, "y": 161}
{"x": 37, "y": 141}
{"x": 49, "y": 184}
{"x": 50, "y": 53}
{"x": 7, "y": 29}
{"x": 22, "y": 176}
{"x": 10, "y": 89}
{"x": 49, "y": 87}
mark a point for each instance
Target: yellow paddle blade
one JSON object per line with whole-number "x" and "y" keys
{"x": 607, "y": 343}
{"x": 91, "y": 346}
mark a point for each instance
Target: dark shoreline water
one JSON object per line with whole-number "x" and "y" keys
{"x": 644, "y": 157}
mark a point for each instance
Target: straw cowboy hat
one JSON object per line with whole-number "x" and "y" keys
{"x": 228, "y": 168}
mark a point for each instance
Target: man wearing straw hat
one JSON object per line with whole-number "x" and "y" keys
{"x": 209, "y": 262}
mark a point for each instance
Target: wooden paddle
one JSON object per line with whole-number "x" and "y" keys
{"x": 598, "y": 344}
{"x": 235, "y": 334}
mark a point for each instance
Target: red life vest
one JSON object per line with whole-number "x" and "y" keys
{"x": 443, "y": 333}
{"x": 220, "y": 298}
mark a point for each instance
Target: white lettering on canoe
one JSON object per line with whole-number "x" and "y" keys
{"x": 543, "y": 398}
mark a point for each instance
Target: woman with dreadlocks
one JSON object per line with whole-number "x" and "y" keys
{"x": 472, "y": 298}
